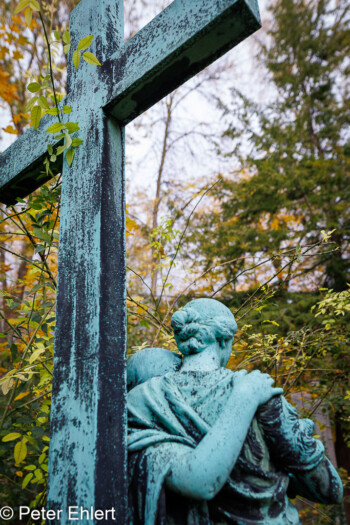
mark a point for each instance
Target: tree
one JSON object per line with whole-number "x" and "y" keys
{"x": 294, "y": 154}
{"x": 291, "y": 188}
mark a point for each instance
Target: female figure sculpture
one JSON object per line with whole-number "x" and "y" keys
{"x": 211, "y": 446}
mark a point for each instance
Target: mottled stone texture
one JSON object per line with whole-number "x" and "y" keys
{"x": 87, "y": 451}
{"x": 88, "y": 444}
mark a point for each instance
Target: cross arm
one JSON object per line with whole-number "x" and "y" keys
{"x": 21, "y": 165}
{"x": 178, "y": 43}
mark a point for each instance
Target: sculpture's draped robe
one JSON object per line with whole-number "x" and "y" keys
{"x": 169, "y": 415}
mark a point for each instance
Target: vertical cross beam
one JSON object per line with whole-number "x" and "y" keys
{"x": 89, "y": 370}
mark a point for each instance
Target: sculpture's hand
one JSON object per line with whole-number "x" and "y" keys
{"x": 256, "y": 385}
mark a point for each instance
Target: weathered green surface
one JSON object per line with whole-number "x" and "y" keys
{"x": 21, "y": 166}
{"x": 87, "y": 448}
{"x": 181, "y": 41}
{"x": 88, "y": 445}
{"x": 208, "y": 445}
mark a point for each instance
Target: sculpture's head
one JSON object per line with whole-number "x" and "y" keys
{"x": 150, "y": 362}
{"x": 203, "y": 322}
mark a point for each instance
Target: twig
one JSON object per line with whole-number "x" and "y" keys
{"x": 29, "y": 402}
{"x": 22, "y": 360}
{"x": 306, "y": 502}
{"x": 183, "y": 234}
{"x": 144, "y": 282}
{"x": 41, "y": 255}
{"x": 50, "y": 64}
{"x": 24, "y": 259}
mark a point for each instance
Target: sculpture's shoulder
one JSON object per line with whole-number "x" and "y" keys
{"x": 153, "y": 384}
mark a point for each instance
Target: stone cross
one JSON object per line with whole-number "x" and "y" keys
{"x": 87, "y": 466}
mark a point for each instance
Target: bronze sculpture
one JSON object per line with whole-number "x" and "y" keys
{"x": 211, "y": 446}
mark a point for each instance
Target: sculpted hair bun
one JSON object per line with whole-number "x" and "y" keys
{"x": 187, "y": 331}
{"x": 192, "y": 332}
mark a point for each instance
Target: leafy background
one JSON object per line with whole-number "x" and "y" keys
{"x": 237, "y": 190}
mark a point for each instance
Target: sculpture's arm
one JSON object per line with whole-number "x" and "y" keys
{"x": 321, "y": 484}
{"x": 201, "y": 473}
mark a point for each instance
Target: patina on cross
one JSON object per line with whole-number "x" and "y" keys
{"x": 88, "y": 420}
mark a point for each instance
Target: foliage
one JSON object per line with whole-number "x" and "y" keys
{"x": 27, "y": 339}
{"x": 23, "y": 56}
{"x": 294, "y": 155}
{"x": 263, "y": 235}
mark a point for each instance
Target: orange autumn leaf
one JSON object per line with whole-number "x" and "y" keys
{"x": 11, "y": 130}
{"x": 17, "y": 55}
{"x": 16, "y": 19}
{"x": 7, "y": 90}
{"x": 20, "y": 116}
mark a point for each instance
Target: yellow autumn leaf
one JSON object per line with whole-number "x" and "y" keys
{"x": 21, "y": 396}
{"x": 76, "y": 58}
{"x": 17, "y": 55}
{"x": 91, "y": 59}
{"x": 22, "y": 5}
{"x": 11, "y": 130}
{"x": 20, "y": 451}
{"x": 11, "y": 437}
{"x": 36, "y": 116}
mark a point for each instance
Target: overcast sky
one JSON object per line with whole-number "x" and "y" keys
{"x": 142, "y": 151}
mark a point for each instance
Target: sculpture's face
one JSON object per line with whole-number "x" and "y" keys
{"x": 225, "y": 351}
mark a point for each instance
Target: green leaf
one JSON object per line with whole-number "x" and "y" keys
{"x": 43, "y": 103}
{"x": 31, "y": 103}
{"x": 22, "y": 5}
{"x": 76, "y": 58}
{"x": 33, "y": 87}
{"x": 53, "y": 158}
{"x": 85, "y": 42}
{"x": 66, "y": 49}
{"x": 40, "y": 234}
{"x": 29, "y": 467}
{"x": 67, "y": 141}
{"x": 91, "y": 59}
{"x": 60, "y": 136}
{"x": 57, "y": 35}
{"x": 72, "y": 127}
{"x": 27, "y": 480}
{"x": 50, "y": 149}
{"x": 67, "y": 109}
{"x": 66, "y": 37}
{"x": 36, "y": 354}
{"x": 55, "y": 128}
{"x": 11, "y": 437}
{"x": 20, "y": 451}
{"x": 34, "y": 4}
{"x": 60, "y": 150}
{"x": 52, "y": 111}
{"x": 77, "y": 142}
{"x": 35, "y": 116}
{"x": 70, "y": 156}
{"x": 28, "y": 16}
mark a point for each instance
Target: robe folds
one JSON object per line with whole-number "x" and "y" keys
{"x": 167, "y": 418}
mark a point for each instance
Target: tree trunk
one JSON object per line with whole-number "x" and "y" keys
{"x": 169, "y": 104}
